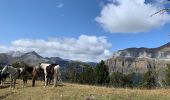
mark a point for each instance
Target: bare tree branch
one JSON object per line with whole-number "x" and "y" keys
{"x": 161, "y": 11}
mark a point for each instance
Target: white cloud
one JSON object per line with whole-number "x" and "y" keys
{"x": 131, "y": 16}
{"x": 60, "y": 5}
{"x": 3, "y": 48}
{"x": 83, "y": 48}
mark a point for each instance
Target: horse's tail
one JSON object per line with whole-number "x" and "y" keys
{"x": 58, "y": 73}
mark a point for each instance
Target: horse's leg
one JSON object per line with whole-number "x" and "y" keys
{"x": 33, "y": 81}
{"x": 11, "y": 80}
{"x": 11, "y": 83}
{"x": 3, "y": 81}
{"x": 55, "y": 81}
{"x": 23, "y": 81}
{"x": 26, "y": 82}
{"x": 59, "y": 77}
{"x": 45, "y": 79}
{"x": 50, "y": 79}
{"x": 0, "y": 81}
{"x": 55, "y": 77}
{"x": 14, "y": 82}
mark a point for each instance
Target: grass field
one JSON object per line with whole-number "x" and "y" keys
{"x": 79, "y": 92}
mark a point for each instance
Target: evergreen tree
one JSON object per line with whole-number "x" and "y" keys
{"x": 167, "y": 77}
{"x": 16, "y": 64}
{"x": 102, "y": 73}
{"x": 150, "y": 78}
{"x": 88, "y": 75}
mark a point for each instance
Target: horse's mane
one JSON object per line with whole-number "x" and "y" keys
{"x": 28, "y": 69}
{"x": 54, "y": 64}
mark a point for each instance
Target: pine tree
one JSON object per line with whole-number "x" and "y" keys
{"x": 88, "y": 75}
{"x": 150, "y": 78}
{"x": 102, "y": 73}
{"x": 167, "y": 77}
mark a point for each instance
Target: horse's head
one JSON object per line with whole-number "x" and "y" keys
{"x": 37, "y": 68}
{"x": 4, "y": 70}
{"x": 36, "y": 71}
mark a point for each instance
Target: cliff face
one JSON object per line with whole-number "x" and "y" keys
{"x": 137, "y": 65}
{"x": 139, "y": 59}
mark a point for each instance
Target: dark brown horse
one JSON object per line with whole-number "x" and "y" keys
{"x": 50, "y": 72}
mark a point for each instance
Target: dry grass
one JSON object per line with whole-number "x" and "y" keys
{"x": 79, "y": 92}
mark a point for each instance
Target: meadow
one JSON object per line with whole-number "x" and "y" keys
{"x": 79, "y": 92}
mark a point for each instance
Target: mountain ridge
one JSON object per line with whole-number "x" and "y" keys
{"x": 162, "y": 52}
{"x": 33, "y": 58}
{"x": 138, "y": 59}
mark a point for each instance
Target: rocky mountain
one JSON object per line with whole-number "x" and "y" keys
{"x": 139, "y": 59}
{"x": 15, "y": 53}
{"x": 162, "y": 52}
{"x": 33, "y": 58}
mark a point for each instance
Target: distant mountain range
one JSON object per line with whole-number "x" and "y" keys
{"x": 33, "y": 58}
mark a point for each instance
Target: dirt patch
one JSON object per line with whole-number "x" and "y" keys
{"x": 6, "y": 95}
{"x": 6, "y": 86}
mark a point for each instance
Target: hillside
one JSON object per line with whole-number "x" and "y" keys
{"x": 80, "y": 92}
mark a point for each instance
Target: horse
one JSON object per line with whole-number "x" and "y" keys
{"x": 30, "y": 72}
{"x": 3, "y": 77}
{"x": 14, "y": 73}
{"x": 50, "y": 71}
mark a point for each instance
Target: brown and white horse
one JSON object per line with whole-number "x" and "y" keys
{"x": 50, "y": 71}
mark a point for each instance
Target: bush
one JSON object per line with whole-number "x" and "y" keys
{"x": 118, "y": 79}
{"x": 167, "y": 76}
{"x": 149, "y": 79}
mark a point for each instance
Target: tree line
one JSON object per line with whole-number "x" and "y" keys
{"x": 100, "y": 75}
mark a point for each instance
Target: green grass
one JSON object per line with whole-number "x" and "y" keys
{"x": 79, "y": 92}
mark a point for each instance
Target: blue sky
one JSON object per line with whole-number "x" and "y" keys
{"x": 46, "y": 20}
